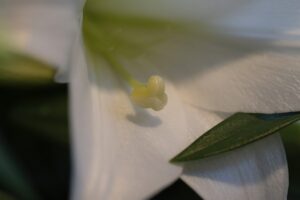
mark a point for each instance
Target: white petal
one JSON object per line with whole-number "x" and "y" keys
{"x": 237, "y": 73}
{"x": 121, "y": 151}
{"x": 270, "y": 19}
{"x": 45, "y": 29}
{"x": 265, "y": 19}
{"x": 232, "y": 76}
{"x": 257, "y": 171}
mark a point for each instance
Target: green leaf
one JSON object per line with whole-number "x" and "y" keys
{"x": 236, "y": 131}
{"x": 17, "y": 69}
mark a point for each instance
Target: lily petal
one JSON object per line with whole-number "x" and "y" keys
{"x": 121, "y": 152}
{"x": 232, "y": 76}
{"x": 226, "y": 75}
{"x": 257, "y": 171}
{"x": 44, "y": 29}
{"x": 265, "y": 19}
{"x": 258, "y": 66}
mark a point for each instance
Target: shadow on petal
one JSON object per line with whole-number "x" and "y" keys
{"x": 143, "y": 118}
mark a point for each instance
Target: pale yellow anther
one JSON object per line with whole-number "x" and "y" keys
{"x": 150, "y": 95}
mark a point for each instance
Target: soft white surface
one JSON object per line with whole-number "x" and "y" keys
{"x": 221, "y": 74}
{"x": 232, "y": 75}
{"x": 121, "y": 151}
{"x": 257, "y": 171}
{"x": 251, "y": 64}
{"x": 265, "y": 19}
{"x": 268, "y": 19}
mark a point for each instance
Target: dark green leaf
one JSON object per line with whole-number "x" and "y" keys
{"x": 238, "y": 130}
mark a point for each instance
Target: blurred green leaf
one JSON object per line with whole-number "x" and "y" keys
{"x": 18, "y": 69}
{"x": 236, "y": 131}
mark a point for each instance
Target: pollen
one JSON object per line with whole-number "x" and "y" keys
{"x": 150, "y": 95}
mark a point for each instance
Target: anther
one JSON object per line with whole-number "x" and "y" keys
{"x": 150, "y": 95}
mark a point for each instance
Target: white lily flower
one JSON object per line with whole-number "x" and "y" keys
{"x": 122, "y": 151}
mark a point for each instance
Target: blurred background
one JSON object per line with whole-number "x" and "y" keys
{"x": 35, "y": 142}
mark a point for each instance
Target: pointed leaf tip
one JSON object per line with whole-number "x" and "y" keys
{"x": 236, "y": 131}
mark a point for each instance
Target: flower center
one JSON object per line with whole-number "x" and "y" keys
{"x": 111, "y": 36}
{"x": 147, "y": 95}
{"x": 150, "y": 95}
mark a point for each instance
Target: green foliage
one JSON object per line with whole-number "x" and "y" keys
{"x": 238, "y": 130}
{"x": 17, "y": 69}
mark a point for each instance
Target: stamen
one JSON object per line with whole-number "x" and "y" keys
{"x": 150, "y": 95}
